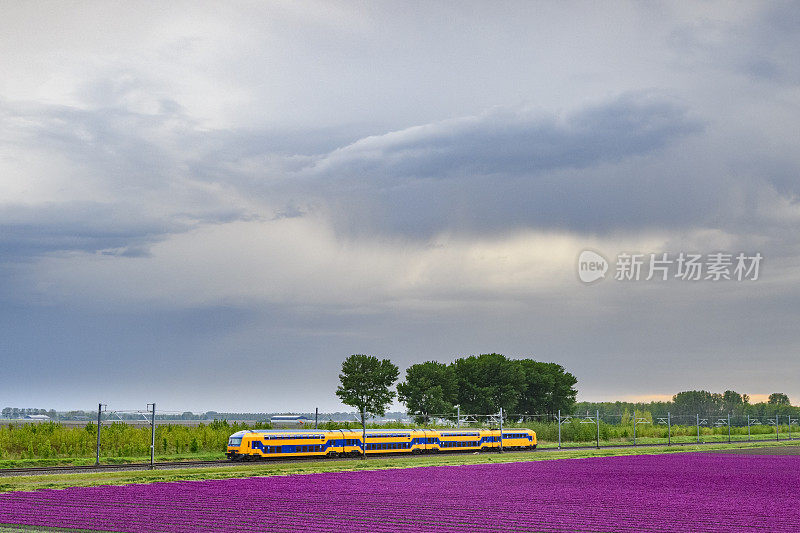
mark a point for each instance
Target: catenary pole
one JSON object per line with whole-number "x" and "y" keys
{"x": 698, "y": 428}
{"x": 559, "y": 429}
{"x": 669, "y": 429}
{"x": 316, "y": 417}
{"x": 597, "y": 421}
{"x": 634, "y": 427}
{"x": 99, "y": 422}
{"x": 364, "y": 433}
{"x": 501, "y": 430}
{"x": 152, "y": 436}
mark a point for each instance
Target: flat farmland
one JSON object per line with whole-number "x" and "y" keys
{"x": 671, "y": 492}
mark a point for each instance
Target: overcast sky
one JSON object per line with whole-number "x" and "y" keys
{"x": 210, "y": 206}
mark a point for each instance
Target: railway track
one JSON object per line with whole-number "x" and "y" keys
{"x": 225, "y": 462}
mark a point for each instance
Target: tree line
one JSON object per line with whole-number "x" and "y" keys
{"x": 702, "y": 402}
{"x": 478, "y": 385}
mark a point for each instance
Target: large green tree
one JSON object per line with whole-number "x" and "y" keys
{"x": 703, "y": 402}
{"x": 732, "y": 402}
{"x": 366, "y": 384}
{"x": 488, "y": 382}
{"x": 548, "y": 388}
{"x": 779, "y": 398}
{"x": 429, "y": 388}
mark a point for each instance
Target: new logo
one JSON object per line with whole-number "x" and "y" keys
{"x": 591, "y": 266}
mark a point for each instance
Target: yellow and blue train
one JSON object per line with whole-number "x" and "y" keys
{"x": 276, "y": 443}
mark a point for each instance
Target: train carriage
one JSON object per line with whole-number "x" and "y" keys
{"x": 265, "y": 444}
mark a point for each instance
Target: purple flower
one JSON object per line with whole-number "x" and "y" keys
{"x": 674, "y": 492}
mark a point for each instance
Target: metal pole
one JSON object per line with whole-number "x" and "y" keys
{"x": 597, "y": 421}
{"x": 316, "y": 416}
{"x": 153, "y": 437}
{"x": 777, "y": 430}
{"x": 669, "y": 429}
{"x": 559, "y": 429}
{"x": 458, "y": 416}
{"x": 748, "y": 427}
{"x": 634, "y": 427}
{"x": 698, "y": 428}
{"x": 501, "y": 430}
{"x": 729, "y": 427}
{"x": 364, "y": 433}
{"x": 99, "y": 421}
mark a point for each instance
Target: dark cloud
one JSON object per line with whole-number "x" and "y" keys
{"x": 509, "y": 143}
{"x": 507, "y": 169}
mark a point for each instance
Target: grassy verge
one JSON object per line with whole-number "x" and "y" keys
{"x": 24, "y": 483}
{"x": 81, "y": 461}
{"x": 681, "y": 439}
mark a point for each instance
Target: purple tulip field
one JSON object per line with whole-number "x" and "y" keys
{"x": 673, "y": 492}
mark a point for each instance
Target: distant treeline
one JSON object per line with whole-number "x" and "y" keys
{"x": 697, "y": 402}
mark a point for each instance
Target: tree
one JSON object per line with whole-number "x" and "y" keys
{"x": 548, "y": 388}
{"x": 778, "y": 398}
{"x": 732, "y": 401}
{"x": 429, "y": 388}
{"x": 697, "y": 402}
{"x": 366, "y": 383}
{"x": 488, "y": 382}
